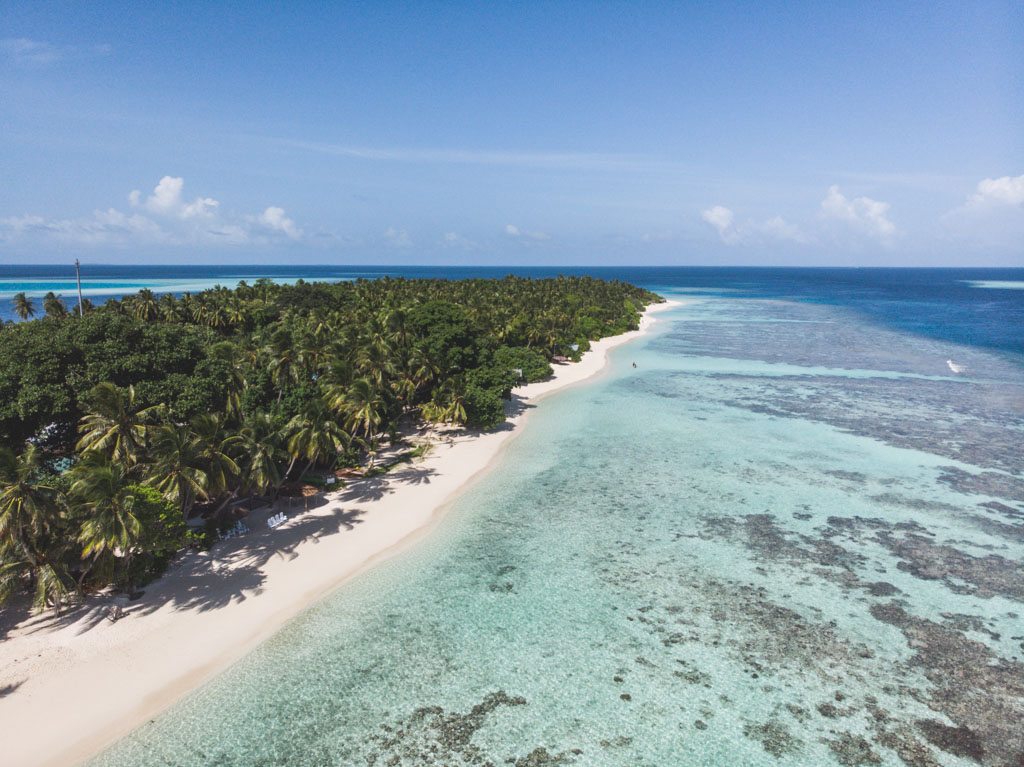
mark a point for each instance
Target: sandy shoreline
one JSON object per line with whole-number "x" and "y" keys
{"x": 69, "y": 688}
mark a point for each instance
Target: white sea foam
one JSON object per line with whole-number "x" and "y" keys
{"x": 997, "y": 284}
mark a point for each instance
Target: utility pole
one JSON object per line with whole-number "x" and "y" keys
{"x": 78, "y": 279}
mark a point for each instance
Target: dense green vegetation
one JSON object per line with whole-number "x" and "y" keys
{"x": 123, "y": 420}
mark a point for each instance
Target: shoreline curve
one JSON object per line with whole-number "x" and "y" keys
{"x": 213, "y": 608}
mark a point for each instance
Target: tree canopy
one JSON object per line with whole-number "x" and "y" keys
{"x": 164, "y": 405}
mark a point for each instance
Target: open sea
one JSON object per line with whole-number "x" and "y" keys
{"x": 793, "y": 535}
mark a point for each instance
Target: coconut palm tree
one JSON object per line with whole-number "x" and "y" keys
{"x": 30, "y": 518}
{"x": 376, "y": 360}
{"x": 100, "y": 489}
{"x": 116, "y": 426}
{"x": 235, "y": 357}
{"x": 284, "y": 364}
{"x": 177, "y": 468}
{"x": 23, "y": 306}
{"x": 448, "y": 405}
{"x": 236, "y": 313}
{"x": 363, "y": 407}
{"x": 416, "y": 375}
{"x": 54, "y": 305}
{"x": 314, "y": 435}
{"x": 189, "y": 307}
{"x": 145, "y": 306}
{"x": 169, "y": 309}
{"x": 257, "y": 453}
{"x": 215, "y": 450}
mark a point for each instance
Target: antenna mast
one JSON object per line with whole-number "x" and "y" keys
{"x": 78, "y": 279}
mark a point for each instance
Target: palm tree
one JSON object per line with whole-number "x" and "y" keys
{"x": 236, "y": 313}
{"x": 23, "y": 306}
{"x": 284, "y": 364}
{"x": 363, "y": 407}
{"x": 54, "y": 305}
{"x": 116, "y": 426}
{"x": 375, "y": 360}
{"x": 416, "y": 375}
{"x": 177, "y": 468}
{"x": 236, "y": 383}
{"x": 145, "y": 306}
{"x": 214, "y": 453}
{"x": 215, "y": 315}
{"x": 314, "y": 435}
{"x": 169, "y": 309}
{"x": 100, "y": 488}
{"x": 189, "y": 307}
{"x": 448, "y": 406}
{"x": 257, "y": 449}
{"x": 30, "y": 514}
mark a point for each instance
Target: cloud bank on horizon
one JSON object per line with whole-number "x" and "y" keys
{"x": 163, "y": 218}
{"x": 166, "y": 218}
{"x": 515, "y": 135}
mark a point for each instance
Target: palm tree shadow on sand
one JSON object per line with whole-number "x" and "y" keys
{"x": 232, "y": 571}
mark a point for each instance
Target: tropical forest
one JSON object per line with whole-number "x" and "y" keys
{"x": 123, "y": 424}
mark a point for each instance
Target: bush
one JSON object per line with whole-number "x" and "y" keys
{"x": 533, "y": 363}
{"x": 493, "y": 378}
{"x": 164, "y": 534}
{"x": 484, "y": 407}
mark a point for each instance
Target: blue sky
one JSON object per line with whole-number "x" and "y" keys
{"x": 513, "y": 133}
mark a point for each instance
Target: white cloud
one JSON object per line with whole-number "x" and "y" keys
{"x": 998, "y": 192}
{"x": 25, "y": 52}
{"x": 109, "y": 227}
{"x": 162, "y": 218}
{"x": 862, "y": 214}
{"x": 723, "y": 220}
{"x": 514, "y": 231}
{"x": 780, "y": 229}
{"x": 274, "y": 218}
{"x": 456, "y": 240}
{"x": 166, "y": 200}
{"x": 397, "y": 238}
{"x": 991, "y": 217}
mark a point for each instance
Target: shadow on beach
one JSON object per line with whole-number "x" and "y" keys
{"x": 232, "y": 570}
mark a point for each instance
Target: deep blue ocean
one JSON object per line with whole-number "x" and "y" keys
{"x": 975, "y": 307}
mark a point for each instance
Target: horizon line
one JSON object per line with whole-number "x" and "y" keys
{"x": 368, "y": 267}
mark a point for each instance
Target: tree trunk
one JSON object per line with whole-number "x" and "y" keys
{"x": 289, "y": 469}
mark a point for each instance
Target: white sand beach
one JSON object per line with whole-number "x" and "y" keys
{"x": 70, "y": 686}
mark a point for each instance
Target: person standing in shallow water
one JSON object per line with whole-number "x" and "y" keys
{"x": 634, "y": 364}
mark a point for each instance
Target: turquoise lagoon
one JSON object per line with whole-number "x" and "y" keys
{"x": 788, "y": 537}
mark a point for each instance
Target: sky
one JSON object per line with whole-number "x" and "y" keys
{"x": 513, "y": 133}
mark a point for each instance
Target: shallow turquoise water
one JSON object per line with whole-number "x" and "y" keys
{"x": 68, "y": 289}
{"x": 787, "y": 537}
